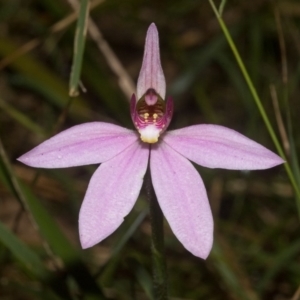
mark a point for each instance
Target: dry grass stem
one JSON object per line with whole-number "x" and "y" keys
{"x": 125, "y": 82}
{"x": 282, "y": 46}
{"x": 57, "y": 27}
{"x": 296, "y": 296}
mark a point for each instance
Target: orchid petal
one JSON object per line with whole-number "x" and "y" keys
{"x": 182, "y": 197}
{"x": 216, "y": 146}
{"x": 111, "y": 194}
{"x": 83, "y": 144}
{"x": 151, "y": 74}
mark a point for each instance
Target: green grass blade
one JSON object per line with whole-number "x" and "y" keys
{"x": 32, "y": 262}
{"x": 79, "y": 44}
{"x": 125, "y": 236}
{"x": 145, "y": 280}
{"x": 51, "y": 232}
{"x": 293, "y": 148}
{"x": 132, "y": 222}
{"x": 21, "y": 118}
{"x": 221, "y": 7}
{"x": 259, "y": 104}
{"x": 44, "y": 81}
{"x": 198, "y": 63}
{"x": 110, "y": 99}
{"x": 282, "y": 259}
{"x": 232, "y": 276}
{"x": 23, "y": 254}
{"x": 236, "y": 80}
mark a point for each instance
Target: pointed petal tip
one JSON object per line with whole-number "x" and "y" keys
{"x": 152, "y": 27}
{"x": 202, "y": 247}
{"x": 278, "y": 161}
{"x": 152, "y": 36}
{"x": 272, "y": 160}
{"x": 86, "y": 242}
{"x": 89, "y": 237}
{"x": 202, "y": 252}
{"x": 20, "y": 159}
{"x": 25, "y": 159}
{"x": 84, "y": 245}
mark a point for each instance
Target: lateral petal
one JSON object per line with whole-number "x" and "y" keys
{"x": 182, "y": 197}
{"x": 214, "y": 146}
{"x": 83, "y": 144}
{"x": 111, "y": 194}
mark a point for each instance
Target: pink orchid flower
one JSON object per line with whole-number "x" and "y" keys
{"x": 124, "y": 155}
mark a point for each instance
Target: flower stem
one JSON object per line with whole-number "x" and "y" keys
{"x": 258, "y": 103}
{"x": 157, "y": 243}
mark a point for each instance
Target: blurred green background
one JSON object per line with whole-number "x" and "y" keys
{"x": 257, "y": 242}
